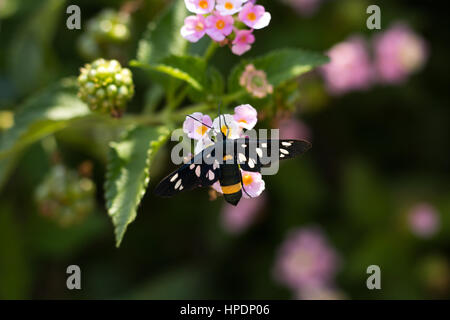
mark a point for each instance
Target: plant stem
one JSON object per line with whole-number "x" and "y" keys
{"x": 210, "y": 51}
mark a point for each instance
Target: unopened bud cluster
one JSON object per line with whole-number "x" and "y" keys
{"x": 105, "y": 86}
{"x": 65, "y": 197}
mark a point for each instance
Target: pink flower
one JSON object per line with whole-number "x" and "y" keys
{"x": 255, "y": 82}
{"x": 253, "y": 184}
{"x": 218, "y": 27}
{"x": 254, "y": 16}
{"x": 195, "y": 129}
{"x": 306, "y": 260}
{"x": 398, "y": 52}
{"x": 320, "y": 293}
{"x": 304, "y": 7}
{"x": 423, "y": 220}
{"x": 349, "y": 68}
{"x": 242, "y": 42}
{"x": 229, "y": 7}
{"x": 246, "y": 116}
{"x": 194, "y": 28}
{"x": 291, "y": 128}
{"x": 200, "y": 6}
{"x": 236, "y": 219}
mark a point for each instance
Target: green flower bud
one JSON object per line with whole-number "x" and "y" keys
{"x": 105, "y": 86}
{"x": 65, "y": 197}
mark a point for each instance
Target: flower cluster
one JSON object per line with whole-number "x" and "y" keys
{"x": 105, "y": 86}
{"x": 65, "y": 197}
{"x": 222, "y": 21}
{"x": 102, "y": 32}
{"x": 244, "y": 118}
{"x": 398, "y": 52}
{"x": 307, "y": 263}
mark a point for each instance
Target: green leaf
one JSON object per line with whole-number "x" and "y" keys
{"x": 48, "y": 112}
{"x": 187, "y": 68}
{"x": 162, "y": 37}
{"x": 31, "y": 55}
{"x": 127, "y": 174}
{"x": 280, "y": 66}
{"x": 213, "y": 84}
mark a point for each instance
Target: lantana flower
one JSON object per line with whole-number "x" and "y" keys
{"x": 229, "y": 7}
{"x": 200, "y": 6}
{"x": 255, "y": 82}
{"x": 233, "y": 126}
{"x": 218, "y": 26}
{"x": 243, "y": 41}
{"x": 218, "y": 19}
{"x": 254, "y": 16}
{"x": 246, "y": 116}
{"x": 399, "y": 51}
{"x": 196, "y": 129}
{"x": 194, "y": 28}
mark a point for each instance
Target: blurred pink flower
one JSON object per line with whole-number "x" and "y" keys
{"x": 229, "y": 7}
{"x": 242, "y": 42}
{"x": 255, "y": 82}
{"x": 218, "y": 26}
{"x": 194, "y": 28}
{"x": 398, "y": 52}
{"x": 200, "y": 6}
{"x": 350, "y": 67}
{"x": 254, "y": 16}
{"x": 237, "y": 219}
{"x": 320, "y": 293}
{"x": 306, "y": 260}
{"x": 304, "y": 7}
{"x": 423, "y": 220}
{"x": 292, "y": 128}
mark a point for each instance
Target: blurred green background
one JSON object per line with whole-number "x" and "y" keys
{"x": 376, "y": 154}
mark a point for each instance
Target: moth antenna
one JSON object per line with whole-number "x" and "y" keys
{"x": 200, "y": 122}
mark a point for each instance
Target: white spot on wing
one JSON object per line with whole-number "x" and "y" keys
{"x": 174, "y": 177}
{"x": 210, "y": 175}
{"x": 286, "y": 144}
{"x": 242, "y": 157}
{"x": 178, "y": 184}
{"x": 215, "y": 164}
{"x": 192, "y": 166}
{"x": 181, "y": 187}
{"x": 284, "y": 151}
{"x": 251, "y": 163}
{"x": 259, "y": 152}
{"x": 244, "y": 145}
{"x": 281, "y": 155}
{"x": 197, "y": 171}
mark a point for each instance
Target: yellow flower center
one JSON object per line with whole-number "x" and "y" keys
{"x": 220, "y": 24}
{"x": 199, "y": 27}
{"x": 201, "y": 130}
{"x": 203, "y": 4}
{"x": 247, "y": 179}
{"x": 228, "y": 5}
{"x": 251, "y": 16}
{"x": 224, "y": 130}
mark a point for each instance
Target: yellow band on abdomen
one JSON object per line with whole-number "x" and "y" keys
{"x": 231, "y": 189}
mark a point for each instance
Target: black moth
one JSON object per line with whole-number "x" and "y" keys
{"x": 216, "y": 163}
